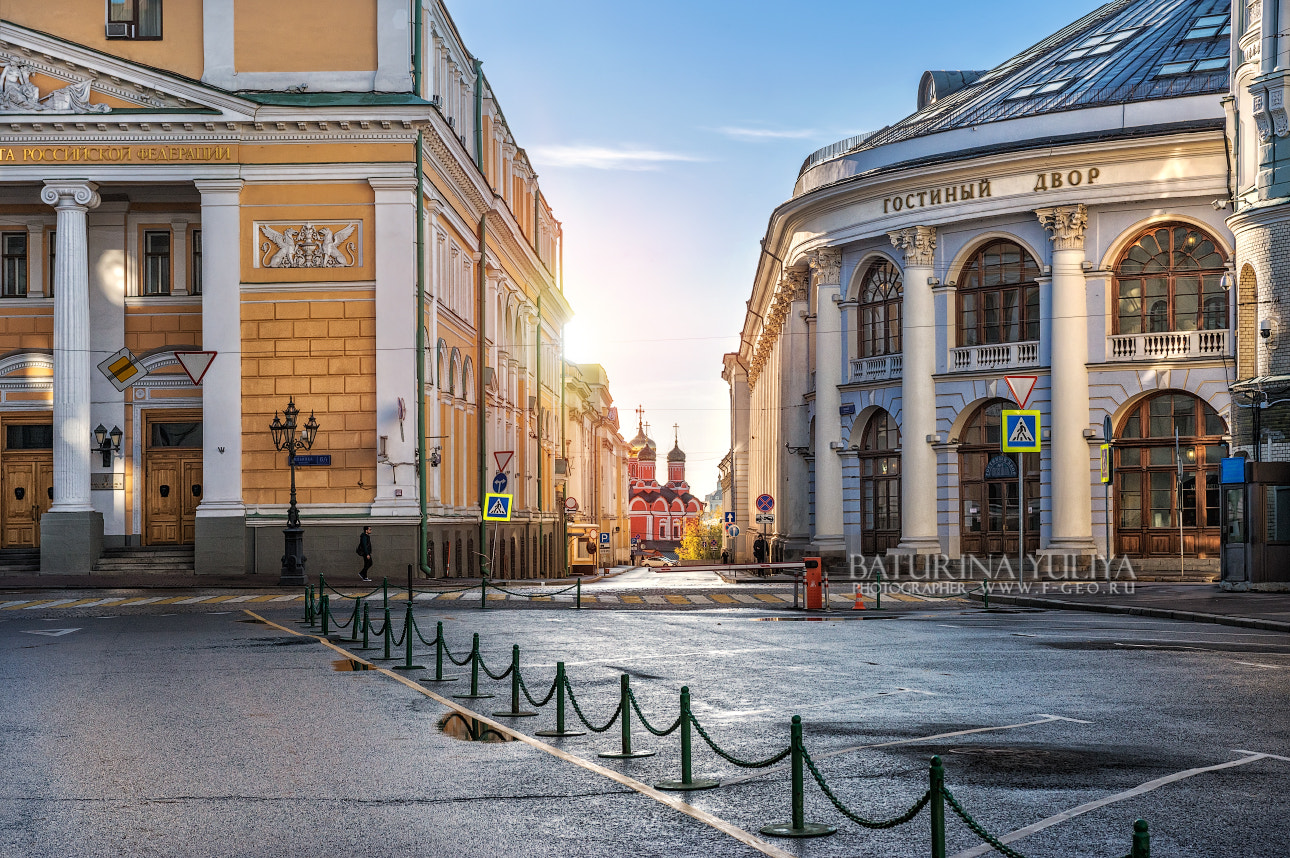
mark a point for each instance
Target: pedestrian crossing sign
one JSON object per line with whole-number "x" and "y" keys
{"x": 497, "y": 507}
{"x": 1021, "y": 432}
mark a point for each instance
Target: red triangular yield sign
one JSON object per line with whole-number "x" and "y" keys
{"x": 195, "y": 364}
{"x": 1021, "y": 386}
{"x": 503, "y": 458}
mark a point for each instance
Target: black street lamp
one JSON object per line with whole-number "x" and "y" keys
{"x": 285, "y": 438}
{"x": 107, "y": 443}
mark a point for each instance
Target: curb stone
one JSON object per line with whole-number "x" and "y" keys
{"x": 1137, "y": 611}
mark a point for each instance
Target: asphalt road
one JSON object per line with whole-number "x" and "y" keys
{"x": 203, "y": 734}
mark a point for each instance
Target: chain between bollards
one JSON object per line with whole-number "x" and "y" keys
{"x": 560, "y": 730}
{"x": 474, "y": 674}
{"x": 799, "y": 827}
{"x": 515, "y": 711}
{"x": 407, "y": 641}
{"x": 624, "y": 708}
{"x": 687, "y": 781}
{"x": 438, "y": 657}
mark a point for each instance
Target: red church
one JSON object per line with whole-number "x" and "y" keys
{"x": 659, "y": 512}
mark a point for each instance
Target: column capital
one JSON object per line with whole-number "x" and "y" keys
{"x": 918, "y": 244}
{"x": 1067, "y": 225}
{"x": 79, "y": 194}
{"x": 793, "y": 284}
{"x": 217, "y": 187}
{"x": 393, "y": 183}
{"x": 826, "y": 265}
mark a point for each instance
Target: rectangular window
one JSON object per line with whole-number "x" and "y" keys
{"x": 176, "y": 435}
{"x": 195, "y": 270}
{"x": 1036, "y": 89}
{"x": 1209, "y": 27}
{"x": 13, "y": 260}
{"x": 39, "y": 436}
{"x": 1099, "y": 45}
{"x": 1277, "y": 504}
{"x": 134, "y": 19}
{"x": 156, "y": 262}
{"x": 1236, "y": 516}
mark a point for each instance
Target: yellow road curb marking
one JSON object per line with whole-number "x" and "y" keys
{"x": 689, "y": 810}
{"x": 678, "y": 600}
{"x": 766, "y": 597}
{"x": 723, "y": 599}
{"x": 633, "y": 600}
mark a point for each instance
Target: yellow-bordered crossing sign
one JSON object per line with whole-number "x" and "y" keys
{"x": 1020, "y": 432}
{"x": 497, "y": 507}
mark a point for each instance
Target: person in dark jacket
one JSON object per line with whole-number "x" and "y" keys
{"x": 364, "y": 550}
{"x": 759, "y": 550}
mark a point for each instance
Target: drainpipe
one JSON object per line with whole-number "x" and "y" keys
{"x": 564, "y": 452}
{"x": 540, "y": 455}
{"x": 423, "y": 461}
{"x": 481, "y": 356}
{"x": 479, "y": 114}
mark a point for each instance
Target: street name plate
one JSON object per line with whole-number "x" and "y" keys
{"x": 107, "y": 482}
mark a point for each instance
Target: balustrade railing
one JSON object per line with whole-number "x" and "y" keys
{"x": 876, "y": 368}
{"x": 998, "y": 356}
{"x": 1169, "y": 345}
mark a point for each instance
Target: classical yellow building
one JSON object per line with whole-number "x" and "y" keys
{"x": 206, "y": 213}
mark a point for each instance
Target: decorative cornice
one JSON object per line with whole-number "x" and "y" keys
{"x": 1067, "y": 225}
{"x": 918, "y": 244}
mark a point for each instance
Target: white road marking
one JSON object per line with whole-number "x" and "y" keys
{"x": 656, "y": 600}
{"x": 609, "y": 600}
{"x": 1147, "y": 787}
{"x": 229, "y": 601}
{"x": 11, "y": 604}
{"x": 743, "y": 597}
{"x": 421, "y": 597}
{"x": 102, "y": 602}
{"x": 1256, "y": 664}
{"x": 718, "y": 714}
{"x": 283, "y": 598}
{"x": 1043, "y": 719}
{"x": 53, "y": 633}
{"x": 194, "y": 600}
{"x": 671, "y": 655}
{"x": 53, "y": 604}
{"x": 700, "y": 600}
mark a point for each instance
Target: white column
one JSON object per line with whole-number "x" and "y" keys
{"x": 36, "y": 279}
{"x": 72, "y": 359}
{"x": 918, "y": 532}
{"x": 180, "y": 282}
{"x": 105, "y": 231}
{"x": 394, "y": 234}
{"x": 221, "y": 522}
{"x": 826, "y": 266}
{"x": 1071, "y": 463}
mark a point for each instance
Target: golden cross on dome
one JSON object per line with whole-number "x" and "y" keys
{"x": 676, "y": 433}
{"x": 640, "y": 416}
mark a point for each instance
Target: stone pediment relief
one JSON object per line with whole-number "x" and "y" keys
{"x": 316, "y": 244}
{"x": 42, "y": 75}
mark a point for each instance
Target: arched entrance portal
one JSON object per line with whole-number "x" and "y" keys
{"x": 1152, "y": 503}
{"x": 989, "y": 503}
{"x": 880, "y": 485}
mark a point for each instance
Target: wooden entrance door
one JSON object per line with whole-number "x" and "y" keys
{"x": 172, "y": 490}
{"x": 28, "y": 487}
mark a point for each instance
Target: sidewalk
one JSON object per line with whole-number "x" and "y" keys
{"x": 1200, "y": 603}
{"x": 164, "y": 581}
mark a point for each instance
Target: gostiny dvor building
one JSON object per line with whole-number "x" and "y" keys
{"x": 1060, "y": 216}
{"x": 335, "y": 216}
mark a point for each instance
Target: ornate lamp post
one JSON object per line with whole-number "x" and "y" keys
{"x": 285, "y": 438}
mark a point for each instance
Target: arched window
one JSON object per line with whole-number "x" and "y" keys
{"x": 1171, "y": 279}
{"x": 881, "y": 294}
{"x": 988, "y": 492}
{"x": 1149, "y": 494}
{"x": 880, "y": 485}
{"x": 998, "y": 296}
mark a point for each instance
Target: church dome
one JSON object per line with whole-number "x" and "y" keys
{"x": 677, "y": 455}
{"x": 647, "y": 453}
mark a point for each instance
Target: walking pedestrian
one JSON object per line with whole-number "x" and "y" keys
{"x": 725, "y": 558}
{"x": 364, "y": 550}
{"x": 759, "y": 550}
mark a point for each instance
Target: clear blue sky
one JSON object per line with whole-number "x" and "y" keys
{"x": 665, "y": 133}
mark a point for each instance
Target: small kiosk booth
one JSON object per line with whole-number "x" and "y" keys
{"x": 1256, "y": 505}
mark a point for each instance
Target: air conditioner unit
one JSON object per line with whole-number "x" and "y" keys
{"x": 562, "y": 467}
{"x": 436, "y": 100}
{"x": 452, "y": 122}
{"x": 120, "y": 31}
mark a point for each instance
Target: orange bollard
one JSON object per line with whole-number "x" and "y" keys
{"x": 859, "y": 605}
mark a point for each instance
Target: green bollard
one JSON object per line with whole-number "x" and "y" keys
{"x": 799, "y": 827}
{"x": 474, "y": 674}
{"x": 385, "y": 593}
{"x": 515, "y": 711}
{"x": 326, "y": 611}
{"x": 687, "y": 781}
{"x": 578, "y": 595}
{"x": 308, "y": 620}
{"x": 438, "y": 658}
{"x": 625, "y": 712}
{"x": 408, "y": 632}
{"x": 1141, "y": 840}
{"x": 353, "y": 622}
{"x": 878, "y": 592}
{"x": 367, "y": 624}
{"x": 483, "y": 592}
{"x": 985, "y": 591}
{"x": 937, "y": 804}
{"x": 559, "y": 730}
